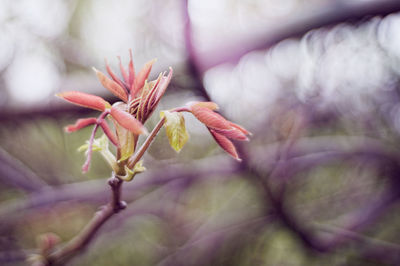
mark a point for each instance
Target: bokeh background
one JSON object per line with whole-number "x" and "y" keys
{"x": 316, "y": 82}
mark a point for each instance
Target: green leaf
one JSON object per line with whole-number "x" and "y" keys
{"x": 175, "y": 128}
{"x": 130, "y": 174}
{"x": 101, "y": 145}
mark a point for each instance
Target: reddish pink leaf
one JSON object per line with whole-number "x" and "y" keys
{"x": 158, "y": 88}
{"x": 112, "y": 86}
{"x": 131, "y": 70}
{"x": 141, "y": 77}
{"x": 210, "y": 118}
{"x": 107, "y": 130}
{"x": 225, "y": 144}
{"x": 163, "y": 84}
{"x": 80, "y": 123}
{"x": 128, "y": 121}
{"x": 123, "y": 72}
{"x": 232, "y": 133}
{"x": 210, "y": 105}
{"x": 85, "y": 99}
{"x": 243, "y": 130}
{"x": 113, "y": 76}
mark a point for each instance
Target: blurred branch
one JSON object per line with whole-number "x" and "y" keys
{"x": 93, "y": 191}
{"x": 193, "y": 60}
{"x": 307, "y": 153}
{"x": 13, "y": 256}
{"x": 212, "y": 239}
{"x": 297, "y": 26}
{"x": 382, "y": 250}
{"x": 15, "y": 173}
{"x": 326, "y": 15}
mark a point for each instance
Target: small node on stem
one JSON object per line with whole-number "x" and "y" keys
{"x": 122, "y": 205}
{"x": 114, "y": 181}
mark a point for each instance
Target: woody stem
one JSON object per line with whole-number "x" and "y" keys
{"x": 136, "y": 157}
{"x": 80, "y": 241}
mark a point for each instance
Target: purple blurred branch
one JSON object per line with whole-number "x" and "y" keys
{"x": 328, "y": 14}
{"x": 193, "y": 60}
{"x": 15, "y": 173}
{"x": 320, "y": 151}
{"x": 93, "y": 191}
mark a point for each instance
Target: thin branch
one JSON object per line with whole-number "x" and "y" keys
{"x": 15, "y": 173}
{"x": 80, "y": 241}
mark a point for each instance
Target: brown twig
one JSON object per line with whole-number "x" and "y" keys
{"x": 79, "y": 242}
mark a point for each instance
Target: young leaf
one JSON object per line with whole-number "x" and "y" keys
{"x": 242, "y": 129}
{"x": 85, "y": 99}
{"x": 232, "y": 133}
{"x": 113, "y": 76}
{"x": 130, "y": 174}
{"x": 128, "y": 121}
{"x": 225, "y": 144}
{"x": 176, "y": 130}
{"x": 125, "y": 137}
{"x": 210, "y": 118}
{"x": 210, "y": 105}
{"x": 101, "y": 145}
{"x": 131, "y": 70}
{"x": 123, "y": 72}
{"x": 80, "y": 123}
{"x": 141, "y": 77}
{"x": 107, "y": 130}
{"x": 112, "y": 86}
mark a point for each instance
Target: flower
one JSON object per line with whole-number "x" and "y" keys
{"x": 138, "y": 98}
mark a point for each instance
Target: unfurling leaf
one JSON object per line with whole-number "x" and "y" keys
{"x": 101, "y": 145}
{"x": 112, "y": 86}
{"x": 113, "y": 76}
{"x": 130, "y": 174}
{"x": 85, "y": 99}
{"x": 107, "y": 130}
{"x": 175, "y": 128}
{"x": 125, "y": 137}
{"x": 141, "y": 77}
{"x": 128, "y": 121}
{"x": 210, "y": 118}
{"x": 210, "y": 105}
{"x": 80, "y": 123}
{"x": 225, "y": 144}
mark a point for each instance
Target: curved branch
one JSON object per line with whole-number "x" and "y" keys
{"x": 79, "y": 242}
{"x": 328, "y": 14}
